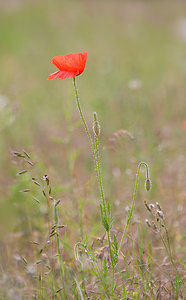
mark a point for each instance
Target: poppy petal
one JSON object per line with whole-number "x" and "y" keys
{"x": 83, "y": 60}
{"x": 66, "y": 63}
{"x": 53, "y": 75}
{"x": 62, "y": 75}
{"x": 69, "y": 66}
{"x": 71, "y": 62}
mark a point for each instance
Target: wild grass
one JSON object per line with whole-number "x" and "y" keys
{"x": 56, "y": 242}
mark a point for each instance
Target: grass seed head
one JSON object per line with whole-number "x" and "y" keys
{"x": 148, "y": 223}
{"x": 46, "y": 178}
{"x": 158, "y": 206}
{"x": 58, "y": 201}
{"x": 151, "y": 206}
{"x": 160, "y": 214}
{"x": 22, "y": 172}
{"x": 154, "y": 226}
{"x": 147, "y": 206}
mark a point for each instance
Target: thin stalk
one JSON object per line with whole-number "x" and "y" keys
{"x": 167, "y": 248}
{"x": 49, "y": 215}
{"x": 100, "y": 178}
{"x": 171, "y": 259}
{"x": 98, "y": 170}
{"x": 84, "y": 122}
{"x": 104, "y": 205}
{"x": 133, "y": 200}
{"x": 59, "y": 258}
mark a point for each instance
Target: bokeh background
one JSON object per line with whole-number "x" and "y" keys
{"x": 134, "y": 79}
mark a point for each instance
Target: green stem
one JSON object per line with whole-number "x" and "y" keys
{"x": 100, "y": 178}
{"x": 104, "y": 206}
{"x": 84, "y": 122}
{"x": 134, "y": 197}
{"x": 98, "y": 169}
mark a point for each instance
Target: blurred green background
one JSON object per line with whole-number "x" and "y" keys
{"x": 134, "y": 79}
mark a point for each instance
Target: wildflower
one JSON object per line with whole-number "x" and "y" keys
{"x": 69, "y": 66}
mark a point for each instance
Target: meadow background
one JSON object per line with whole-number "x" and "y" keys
{"x": 134, "y": 79}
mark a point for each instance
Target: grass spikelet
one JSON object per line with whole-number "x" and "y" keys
{"x": 117, "y": 139}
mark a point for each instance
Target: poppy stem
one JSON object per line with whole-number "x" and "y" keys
{"x": 104, "y": 208}
{"x": 84, "y": 122}
{"x": 98, "y": 171}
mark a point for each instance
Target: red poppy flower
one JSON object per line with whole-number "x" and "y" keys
{"x": 69, "y": 66}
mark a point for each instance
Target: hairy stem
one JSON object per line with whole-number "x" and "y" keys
{"x": 84, "y": 122}
{"x": 133, "y": 200}
{"x": 104, "y": 206}
{"x": 98, "y": 171}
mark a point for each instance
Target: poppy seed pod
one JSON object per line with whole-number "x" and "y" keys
{"x": 147, "y": 184}
{"x": 96, "y": 126}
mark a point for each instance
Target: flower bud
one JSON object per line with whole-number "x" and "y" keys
{"x": 147, "y": 184}
{"x": 96, "y": 126}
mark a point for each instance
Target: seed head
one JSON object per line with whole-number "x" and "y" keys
{"x": 46, "y": 178}
{"x": 147, "y": 206}
{"x": 160, "y": 214}
{"x": 158, "y": 206}
{"x": 147, "y": 222}
{"x": 154, "y": 225}
{"x": 151, "y": 206}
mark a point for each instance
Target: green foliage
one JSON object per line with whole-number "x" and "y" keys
{"x": 115, "y": 250}
{"x": 130, "y": 213}
{"x": 124, "y": 293}
{"x": 104, "y": 218}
